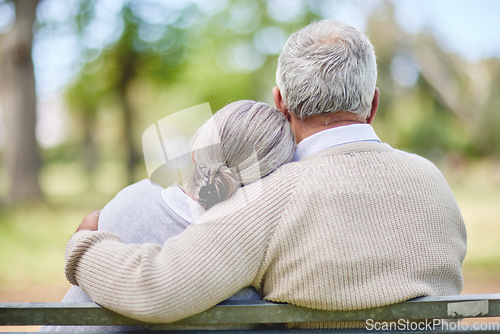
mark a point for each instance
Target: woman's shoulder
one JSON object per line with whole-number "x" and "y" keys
{"x": 145, "y": 186}
{"x": 138, "y": 214}
{"x": 140, "y": 196}
{"x": 141, "y": 191}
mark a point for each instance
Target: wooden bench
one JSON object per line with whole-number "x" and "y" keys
{"x": 255, "y": 316}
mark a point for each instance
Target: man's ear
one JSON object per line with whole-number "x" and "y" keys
{"x": 374, "y": 107}
{"x": 278, "y": 102}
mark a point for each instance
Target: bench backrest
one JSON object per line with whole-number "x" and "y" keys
{"x": 249, "y": 313}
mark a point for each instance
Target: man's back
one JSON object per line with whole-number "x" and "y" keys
{"x": 366, "y": 225}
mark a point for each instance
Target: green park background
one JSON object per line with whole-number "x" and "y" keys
{"x": 138, "y": 61}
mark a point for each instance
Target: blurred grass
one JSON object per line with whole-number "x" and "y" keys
{"x": 32, "y": 239}
{"x": 32, "y": 242}
{"x": 477, "y": 189}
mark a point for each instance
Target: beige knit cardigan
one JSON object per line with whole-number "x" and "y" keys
{"x": 355, "y": 226}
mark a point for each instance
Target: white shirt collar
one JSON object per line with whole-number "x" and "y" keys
{"x": 183, "y": 205}
{"x": 333, "y": 137}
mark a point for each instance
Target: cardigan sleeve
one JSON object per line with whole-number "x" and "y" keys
{"x": 211, "y": 260}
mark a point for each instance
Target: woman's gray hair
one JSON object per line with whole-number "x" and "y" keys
{"x": 241, "y": 143}
{"x": 325, "y": 67}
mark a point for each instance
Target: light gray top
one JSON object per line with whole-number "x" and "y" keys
{"x": 144, "y": 212}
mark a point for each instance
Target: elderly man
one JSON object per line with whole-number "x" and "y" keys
{"x": 352, "y": 223}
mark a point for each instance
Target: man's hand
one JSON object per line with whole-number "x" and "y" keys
{"x": 89, "y": 223}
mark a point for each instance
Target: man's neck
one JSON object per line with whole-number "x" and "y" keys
{"x": 303, "y": 128}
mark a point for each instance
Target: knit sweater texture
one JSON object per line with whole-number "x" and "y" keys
{"x": 354, "y": 226}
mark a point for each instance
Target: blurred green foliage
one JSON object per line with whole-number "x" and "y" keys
{"x": 161, "y": 57}
{"x": 172, "y": 56}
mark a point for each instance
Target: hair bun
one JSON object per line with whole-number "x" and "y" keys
{"x": 208, "y": 196}
{"x": 221, "y": 184}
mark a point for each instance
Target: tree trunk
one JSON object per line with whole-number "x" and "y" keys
{"x": 89, "y": 150}
{"x": 18, "y": 98}
{"x": 132, "y": 157}
{"x": 126, "y": 77}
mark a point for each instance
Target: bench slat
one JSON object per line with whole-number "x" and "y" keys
{"x": 254, "y": 312}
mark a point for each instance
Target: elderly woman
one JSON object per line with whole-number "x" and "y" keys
{"x": 241, "y": 143}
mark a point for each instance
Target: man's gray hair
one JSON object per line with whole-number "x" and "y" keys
{"x": 241, "y": 143}
{"x": 325, "y": 67}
